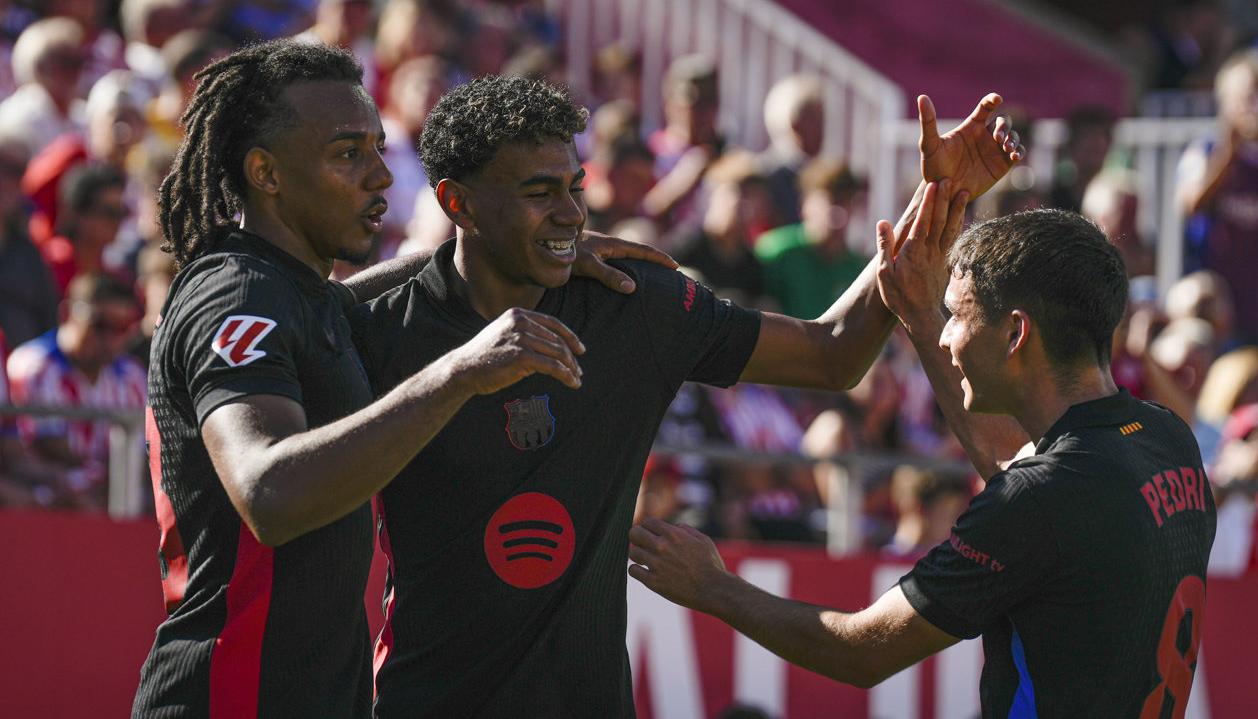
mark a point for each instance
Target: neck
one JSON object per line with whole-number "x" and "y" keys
{"x": 273, "y": 229}
{"x": 1043, "y": 403}
{"x": 486, "y": 289}
{"x": 908, "y": 533}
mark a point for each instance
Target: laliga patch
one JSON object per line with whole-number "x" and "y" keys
{"x": 529, "y": 541}
{"x": 237, "y": 339}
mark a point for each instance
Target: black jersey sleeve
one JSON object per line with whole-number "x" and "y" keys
{"x": 694, "y": 335}
{"x": 241, "y": 329}
{"x": 1001, "y": 550}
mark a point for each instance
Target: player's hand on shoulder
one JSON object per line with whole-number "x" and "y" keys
{"x": 676, "y": 561}
{"x": 517, "y": 344}
{"x": 595, "y": 249}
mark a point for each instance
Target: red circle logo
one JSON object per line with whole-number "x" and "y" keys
{"x": 529, "y": 541}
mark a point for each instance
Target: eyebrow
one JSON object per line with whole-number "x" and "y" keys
{"x": 356, "y": 135}
{"x": 550, "y": 180}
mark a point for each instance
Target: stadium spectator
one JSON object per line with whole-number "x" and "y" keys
{"x": 1218, "y": 182}
{"x": 92, "y": 208}
{"x": 114, "y": 124}
{"x": 807, "y": 265}
{"x": 414, "y": 88}
{"x": 1111, "y": 201}
{"x": 409, "y": 29}
{"x": 794, "y": 116}
{"x": 47, "y": 60}
{"x": 1204, "y": 295}
{"x": 147, "y": 25}
{"x": 614, "y": 192}
{"x": 81, "y": 364}
{"x": 1089, "y": 134}
{"x": 1234, "y": 480}
{"x": 688, "y": 143}
{"x": 346, "y": 24}
{"x": 184, "y": 55}
{"x": 739, "y": 207}
{"x": 24, "y": 480}
{"x": 927, "y": 506}
{"x": 510, "y": 180}
{"x": 618, "y": 76}
{"x": 28, "y": 295}
{"x": 1231, "y": 382}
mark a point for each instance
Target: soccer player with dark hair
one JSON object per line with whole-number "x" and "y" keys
{"x": 506, "y": 535}
{"x": 264, "y": 443}
{"x": 1083, "y": 564}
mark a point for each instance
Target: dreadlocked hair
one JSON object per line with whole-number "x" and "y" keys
{"x": 237, "y": 106}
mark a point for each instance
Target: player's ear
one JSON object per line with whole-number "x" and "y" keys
{"x": 1019, "y": 332}
{"x": 260, "y": 171}
{"x": 453, "y": 195}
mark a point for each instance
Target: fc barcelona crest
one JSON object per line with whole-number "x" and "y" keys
{"x": 529, "y": 422}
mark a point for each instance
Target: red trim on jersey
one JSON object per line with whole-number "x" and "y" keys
{"x": 236, "y": 664}
{"x": 384, "y": 645}
{"x": 171, "y": 544}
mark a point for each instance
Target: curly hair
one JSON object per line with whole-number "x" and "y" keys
{"x": 468, "y": 125}
{"x": 238, "y": 105}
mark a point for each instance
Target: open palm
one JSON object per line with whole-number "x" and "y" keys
{"x": 975, "y": 154}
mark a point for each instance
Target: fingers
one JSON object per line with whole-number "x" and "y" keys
{"x": 560, "y": 329}
{"x": 983, "y": 111}
{"x": 614, "y": 248}
{"x": 885, "y": 241}
{"x": 925, "y": 213}
{"x": 930, "y": 128}
{"x": 642, "y": 574}
{"x": 611, "y": 277}
{"x": 956, "y": 217}
{"x": 548, "y": 347}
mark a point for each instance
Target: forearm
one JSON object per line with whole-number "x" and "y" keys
{"x": 989, "y": 440}
{"x": 816, "y": 638}
{"x": 380, "y": 278}
{"x": 310, "y": 479}
{"x": 1199, "y": 195}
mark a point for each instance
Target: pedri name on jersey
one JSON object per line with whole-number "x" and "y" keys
{"x": 1175, "y": 490}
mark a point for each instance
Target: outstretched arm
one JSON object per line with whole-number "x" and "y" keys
{"x": 862, "y": 648}
{"x": 835, "y": 350}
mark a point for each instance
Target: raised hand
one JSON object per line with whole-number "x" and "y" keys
{"x": 912, "y": 277}
{"x": 975, "y": 154}
{"x": 675, "y": 561}
{"x": 517, "y": 344}
{"x": 594, "y": 249}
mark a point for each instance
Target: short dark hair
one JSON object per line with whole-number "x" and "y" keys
{"x": 238, "y": 105}
{"x": 1059, "y": 268}
{"x": 82, "y": 185}
{"x": 464, "y": 131}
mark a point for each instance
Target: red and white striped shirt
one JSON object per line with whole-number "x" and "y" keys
{"x": 40, "y": 374}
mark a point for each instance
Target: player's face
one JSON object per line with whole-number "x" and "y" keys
{"x": 528, "y": 206}
{"x": 976, "y": 347}
{"x": 331, "y": 171}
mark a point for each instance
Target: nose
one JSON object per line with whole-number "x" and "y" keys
{"x": 380, "y": 177}
{"x": 944, "y": 337}
{"x": 570, "y": 210}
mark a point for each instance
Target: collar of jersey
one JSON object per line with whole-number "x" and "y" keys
{"x": 251, "y": 244}
{"x": 439, "y": 275}
{"x": 1112, "y": 410}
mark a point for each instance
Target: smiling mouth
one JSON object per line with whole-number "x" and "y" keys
{"x": 560, "y": 248}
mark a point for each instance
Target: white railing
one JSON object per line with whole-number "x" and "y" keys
{"x": 755, "y": 43}
{"x": 1154, "y": 146}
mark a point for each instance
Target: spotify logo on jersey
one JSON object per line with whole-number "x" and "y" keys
{"x": 529, "y": 541}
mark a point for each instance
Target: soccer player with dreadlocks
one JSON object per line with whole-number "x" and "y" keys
{"x": 264, "y": 442}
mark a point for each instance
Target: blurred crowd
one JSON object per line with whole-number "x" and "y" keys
{"x": 91, "y": 93}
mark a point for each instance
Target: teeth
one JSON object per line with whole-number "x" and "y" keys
{"x": 562, "y": 247}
